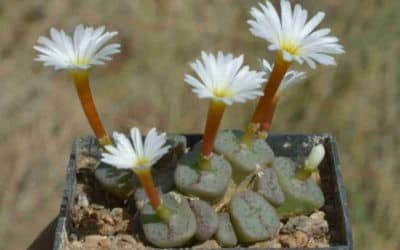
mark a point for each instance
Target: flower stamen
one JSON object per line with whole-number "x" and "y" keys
{"x": 290, "y": 47}
{"x": 293, "y": 35}
{"x": 222, "y": 93}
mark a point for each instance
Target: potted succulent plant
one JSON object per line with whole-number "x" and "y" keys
{"x": 224, "y": 188}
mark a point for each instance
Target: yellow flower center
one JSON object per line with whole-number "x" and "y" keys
{"x": 290, "y": 46}
{"x": 81, "y": 61}
{"x": 221, "y": 93}
{"x": 142, "y": 162}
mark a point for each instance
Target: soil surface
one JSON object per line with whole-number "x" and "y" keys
{"x": 100, "y": 221}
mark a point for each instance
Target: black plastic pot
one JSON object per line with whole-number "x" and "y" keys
{"x": 292, "y": 145}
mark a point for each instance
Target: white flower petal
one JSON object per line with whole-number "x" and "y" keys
{"x": 136, "y": 154}
{"x": 287, "y": 56}
{"x": 293, "y": 35}
{"x": 137, "y": 141}
{"x": 223, "y": 78}
{"x": 84, "y": 49}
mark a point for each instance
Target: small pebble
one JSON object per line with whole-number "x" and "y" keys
{"x": 128, "y": 238}
{"x": 312, "y": 226}
{"x": 268, "y": 244}
{"x": 76, "y": 245}
{"x": 209, "y": 244}
{"x": 287, "y": 240}
{"x": 319, "y": 215}
{"x": 97, "y": 206}
{"x": 301, "y": 239}
{"x": 73, "y": 237}
{"x": 93, "y": 240}
{"x": 320, "y": 243}
{"x": 287, "y": 144}
{"x": 117, "y": 213}
{"x": 104, "y": 243}
{"x": 83, "y": 200}
{"x": 108, "y": 219}
{"x": 106, "y": 229}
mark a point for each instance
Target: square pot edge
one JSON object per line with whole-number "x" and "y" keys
{"x": 67, "y": 198}
{"x": 342, "y": 190}
{"x": 68, "y": 194}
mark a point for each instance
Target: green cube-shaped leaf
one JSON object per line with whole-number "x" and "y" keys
{"x": 267, "y": 184}
{"x": 225, "y": 235}
{"x": 206, "y": 218}
{"x": 177, "y": 231}
{"x": 300, "y": 196}
{"x": 243, "y": 159}
{"x": 253, "y": 218}
{"x": 209, "y": 184}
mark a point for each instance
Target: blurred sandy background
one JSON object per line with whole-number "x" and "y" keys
{"x": 358, "y": 101}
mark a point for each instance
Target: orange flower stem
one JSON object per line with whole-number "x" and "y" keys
{"x": 215, "y": 112}
{"x": 266, "y": 101}
{"x": 81, "y": 80}
{"x": 266, "y": 126}
{"x": 146, "y": 180}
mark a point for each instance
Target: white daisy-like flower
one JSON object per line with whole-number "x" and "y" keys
{"x": 137, "y": 155}
{"x": 85, "y": 49}
{"x": 293, "y": 35}
{"x": 291, "y": 77}
{"x": 222, "y": 78}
